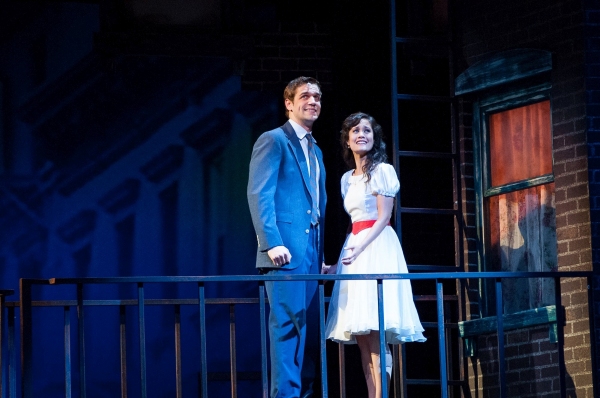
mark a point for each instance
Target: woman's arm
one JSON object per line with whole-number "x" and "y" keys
{"x": 385, "y": 204}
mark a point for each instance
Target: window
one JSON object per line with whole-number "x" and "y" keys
{"x": 517, "y": 194}
{"x": 514, "y": 180}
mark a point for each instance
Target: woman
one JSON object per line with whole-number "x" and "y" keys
{"x": 372, "y": 248}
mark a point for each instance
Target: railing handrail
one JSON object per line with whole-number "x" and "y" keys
{"x": 311, "y": 277}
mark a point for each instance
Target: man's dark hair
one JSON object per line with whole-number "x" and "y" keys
{"x": 290, "y": 90}
{"x": 376, "y": 155}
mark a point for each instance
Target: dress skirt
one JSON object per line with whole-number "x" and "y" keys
{"x": 353, "y": 306}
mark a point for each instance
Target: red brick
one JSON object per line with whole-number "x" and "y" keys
{"x": 563, "y": 247}
{"x": 582, "y": 176}
{"x": 566, "y": 207}
{"x": 584, "y": 203}
{"x": 567, "y": 232}
{"x": 579, "y": 244}
{"x": 581, "y": 150}
{"x": 568, "y": 259}
{"x": 576, "y": 165}
{"x": 577, "y": 191}
{"x": 576, "y": 298}
{"x": 564, "y": 155}
{"x": 574, "y": 139}
{"x": 578, "y": 218}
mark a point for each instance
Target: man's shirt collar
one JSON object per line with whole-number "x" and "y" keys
{"x": 299, "y": 130}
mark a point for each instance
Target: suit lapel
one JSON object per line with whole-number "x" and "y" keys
{"x": 296, "y": 148}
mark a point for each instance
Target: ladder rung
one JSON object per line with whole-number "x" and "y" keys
{"x": 421, "y": 154}
{"x": 422, "y": 210}
{"x": 423, "y": 40}
{"x": 418, "y": 97}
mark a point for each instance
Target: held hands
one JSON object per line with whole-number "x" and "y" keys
{"x": 280, "y": 255}
{"x": 329, "y": 269}
{"x": 351, "y": 253}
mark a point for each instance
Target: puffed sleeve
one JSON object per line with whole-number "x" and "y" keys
{"x": 384, "y": 180}
{"x": 344, "y": 183}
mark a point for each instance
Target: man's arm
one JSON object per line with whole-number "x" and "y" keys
{"x": 262, "y": 185}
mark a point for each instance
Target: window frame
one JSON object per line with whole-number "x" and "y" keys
{"x": 508, "y": 98}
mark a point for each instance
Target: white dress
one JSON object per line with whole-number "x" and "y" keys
{"x": 353, "y": 305}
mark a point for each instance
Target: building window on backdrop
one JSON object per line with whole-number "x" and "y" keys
{"x": 517, "y": 194}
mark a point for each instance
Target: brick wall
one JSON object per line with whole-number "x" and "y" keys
{"x": 592, "y": 84}
{"x": 289, "y": 51}
{"x": 487, "y": 27}
{"x": 531, "y": 369}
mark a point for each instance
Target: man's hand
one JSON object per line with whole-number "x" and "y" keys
{"x": 280, "y": 255}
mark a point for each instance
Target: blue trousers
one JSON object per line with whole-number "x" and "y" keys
{"x": 294, "y": 315}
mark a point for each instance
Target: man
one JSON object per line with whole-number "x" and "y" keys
{"x": 288, "y": 212}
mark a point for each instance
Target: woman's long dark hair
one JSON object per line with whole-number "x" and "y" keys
{"x": 376, "y": 155}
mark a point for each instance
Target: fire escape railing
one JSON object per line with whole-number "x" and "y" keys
{"x": 8, "y": 388}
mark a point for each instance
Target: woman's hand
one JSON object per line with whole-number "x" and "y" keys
{"x": 352, "y": 252}
{"x": 329, "y": 269}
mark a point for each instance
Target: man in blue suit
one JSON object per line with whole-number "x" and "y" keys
{"x": 288, "y": 213}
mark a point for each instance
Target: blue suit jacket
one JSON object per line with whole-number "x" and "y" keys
{"x": 279, "y": 197}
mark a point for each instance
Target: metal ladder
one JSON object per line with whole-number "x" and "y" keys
{"x": 424, "y": 136}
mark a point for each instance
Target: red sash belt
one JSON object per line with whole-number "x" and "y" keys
{"x": 362, "y": 225}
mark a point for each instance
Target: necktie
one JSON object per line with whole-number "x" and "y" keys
{"x": 312, "y": 156}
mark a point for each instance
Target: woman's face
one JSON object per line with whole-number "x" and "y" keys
{"x": 360, "y": 138}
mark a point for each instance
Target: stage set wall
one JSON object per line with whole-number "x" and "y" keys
{"x": 566, "y": 29}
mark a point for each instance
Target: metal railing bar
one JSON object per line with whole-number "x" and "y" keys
{"x": 382, "y": 342}
{"x": 442, "y": 339}
{"x": 12, "y": 361}
{"x": 431, "y": 297}
{"x": 449, "y": 353}
{"x": 232, "y": 351}
{"x": 67, "y": 348}
{"x": 153, "y": 302}
{"x": 500, "y": 329}
{"x": 591, "y": 309}
{"x": 142, "y": 334}
{"x": 263, "y": 339}
{"x": 123, "y": 348}
{"x": 4, "y": 384}
{"x": 560, "y": 322}
{"x": 81, "y": 335}
{"x": 322, "y": 340}
{"x": 341, "y": 360}
{"x": 428, "y": 382}
{"x": 134, "y": 302}
{"x": 314, "y": 277}
{"x": 2, "y": 390}
{"x": 436, "y": 382}
{"x": 178, "y": 371}
{"x": 400, "y": 372}
{"x": 203, "y": 361}
{"x": 26, "y": 338}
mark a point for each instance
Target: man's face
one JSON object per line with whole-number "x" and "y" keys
{"x": 306, "y": 107}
